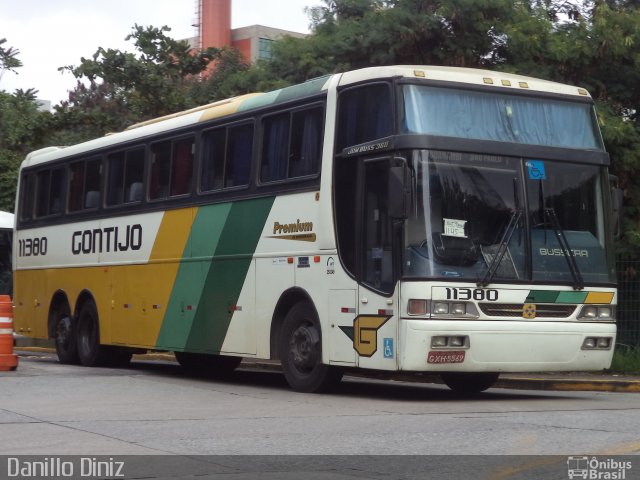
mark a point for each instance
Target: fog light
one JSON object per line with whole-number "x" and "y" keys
{"x": 438, "y": 341}
{"x": 456, "y": 341}
{"x": 604, "y": 342}
{"x": 417, "y": 307}
{"x": 441, "y": 308}
{"x": 458, "y": 309}
{"x": 589, "y": 343}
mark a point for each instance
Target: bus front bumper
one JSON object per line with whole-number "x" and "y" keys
{"x": 504, "y": 346}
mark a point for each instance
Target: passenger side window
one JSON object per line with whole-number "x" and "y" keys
{"x": 171, "y": 168}
{"x": 84, "y": 185}
{"x": 227, "y": 154}
{"x": 291, "y": 144}
{"x": 125, "y": 177}
{"x": 49, "y": 192}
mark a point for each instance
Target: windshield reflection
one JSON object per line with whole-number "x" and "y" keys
{"x": 470, "y": 222}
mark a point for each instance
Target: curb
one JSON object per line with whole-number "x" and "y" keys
{"x": 539, "y": 381}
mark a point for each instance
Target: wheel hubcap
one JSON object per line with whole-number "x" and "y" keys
{"x": 303, "y": 347}
{"x": 63, "y": 332}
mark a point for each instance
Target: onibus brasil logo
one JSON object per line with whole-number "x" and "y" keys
{"x": 595, "y": 468}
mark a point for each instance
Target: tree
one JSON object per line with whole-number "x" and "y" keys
{"x": 153, "y": 82}
{"x": 351, "y": 34}
{"x": 23, "y": 128}
{"x": 8, "y": 58}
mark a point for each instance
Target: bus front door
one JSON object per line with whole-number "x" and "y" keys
{"x": 376, "y": 325}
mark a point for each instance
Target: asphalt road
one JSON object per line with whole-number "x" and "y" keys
{"x": 154, "y": 408}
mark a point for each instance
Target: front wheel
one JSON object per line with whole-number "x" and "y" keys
{"x": 469, "y": 383}
{"x": 301, "y": 352}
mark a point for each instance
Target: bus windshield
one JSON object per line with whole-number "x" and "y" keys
{"x": 506, "y": 118}
{"x": 495, "y": 218}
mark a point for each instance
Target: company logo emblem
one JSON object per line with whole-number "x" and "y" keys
{"x": 596, "y": 468}
{"x": 300, "y": 231}
{"x": 529, "y": 311}
{"x": 364, "y": 333}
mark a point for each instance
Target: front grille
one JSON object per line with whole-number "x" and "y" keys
{"x": 515, "y": 310}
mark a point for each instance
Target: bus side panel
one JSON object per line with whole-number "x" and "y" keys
{"x": 210, "y": 281}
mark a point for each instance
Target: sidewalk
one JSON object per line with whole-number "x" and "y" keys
{"x": 554, "y": 381}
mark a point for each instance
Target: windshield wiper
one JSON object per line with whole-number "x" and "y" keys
{"x": 578, "y": 282}
{"x": 502, "y": 249}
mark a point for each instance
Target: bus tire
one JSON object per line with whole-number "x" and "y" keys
{"x": 469, "y": 383}
{"x": 202, "y": 363}
{"x": 90, "y": 352}
{"x": 65, "y": 339}
{"x": 301, "y": 352}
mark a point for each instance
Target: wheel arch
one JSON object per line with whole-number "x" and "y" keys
{"x": 287, "y": 300}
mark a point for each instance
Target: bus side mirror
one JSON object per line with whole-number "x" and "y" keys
{"x": 399, "y": 190}
{"x": 617, "y": 196}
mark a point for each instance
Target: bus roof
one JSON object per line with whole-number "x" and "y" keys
{"x": 472, "y": 76}
{"x": 487, "y": 78}
{"x": 6, "y": 220}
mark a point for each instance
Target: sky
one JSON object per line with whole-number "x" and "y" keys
{"x": 54, "y": 33}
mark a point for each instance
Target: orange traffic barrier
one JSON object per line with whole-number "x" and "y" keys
{"x": 8, "y": 360}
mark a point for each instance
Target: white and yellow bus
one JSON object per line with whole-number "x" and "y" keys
{"x": 408, "y": 218}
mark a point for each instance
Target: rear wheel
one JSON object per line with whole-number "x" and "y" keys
{"x": 301, "y": 352}
{"x": 90, "y": 352}
{"x": 217, "y": 365}
{"x": 65, "y": 338}
{"x": 469, "y": 382}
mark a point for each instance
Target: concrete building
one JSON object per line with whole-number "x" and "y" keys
{"x": 214, "y": 30}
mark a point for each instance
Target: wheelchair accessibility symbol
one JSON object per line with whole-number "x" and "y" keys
{"x": 388, "y": 347}
{"x": 536, "y": 170}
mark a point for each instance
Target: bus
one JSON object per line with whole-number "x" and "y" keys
{"x": 404, "y": 218}
{"x": 6, "y": 235}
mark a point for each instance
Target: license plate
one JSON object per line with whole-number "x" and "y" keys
{"x": 446, "y": 357}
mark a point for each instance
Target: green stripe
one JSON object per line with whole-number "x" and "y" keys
{"x": 203, "y": 240}
{"x": 222, "y": 242}
{"x": 541, "y": 296}
{"x": 547, "y": 296}
{"x": 305, "y": 89}
{"x": 572, "y": 297}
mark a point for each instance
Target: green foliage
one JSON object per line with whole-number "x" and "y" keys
{"x": 151, "y": 83}
{"x": 626, "y": 360}
{"x": 8, "y": 57}
{"x": 22, "y": 128}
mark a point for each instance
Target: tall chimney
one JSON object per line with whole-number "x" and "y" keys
{"x": 215, "y": 23}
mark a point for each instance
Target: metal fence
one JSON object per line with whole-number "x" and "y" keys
{"x": 628, "y": 313}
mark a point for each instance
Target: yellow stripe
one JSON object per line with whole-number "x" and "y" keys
{"x": 226, "y": 109}
{"x": 599, "y": 297}
{"x": 146, "y": 289}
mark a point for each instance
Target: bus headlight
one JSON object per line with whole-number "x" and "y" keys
{"x": 605, "y": 313}
{"x": 441, "y": 309}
